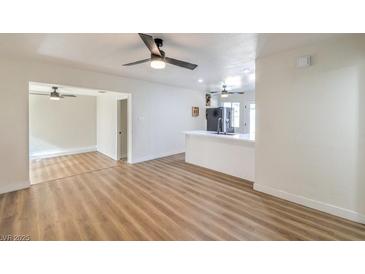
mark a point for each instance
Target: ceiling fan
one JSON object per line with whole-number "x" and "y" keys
{"x": 158, "y": 58}
{"x": 224, "y": 93}
{"x": 54, "y": 95}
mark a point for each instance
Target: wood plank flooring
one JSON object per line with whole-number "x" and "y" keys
{"x": 91, "y": 197}
{"x": 49, "y": 169}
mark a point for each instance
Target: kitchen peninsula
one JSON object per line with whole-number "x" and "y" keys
{"x": 232, "y": 154}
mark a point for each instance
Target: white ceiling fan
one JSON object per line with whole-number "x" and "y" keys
{"x": 54, "y": 95}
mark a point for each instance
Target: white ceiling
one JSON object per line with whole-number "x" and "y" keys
{"x": 218, "y": 55}
{"x": 46, "y": 88}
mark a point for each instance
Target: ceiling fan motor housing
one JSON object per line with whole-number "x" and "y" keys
{"x": 156, "y": 57}
{"x": 159, "y": 42}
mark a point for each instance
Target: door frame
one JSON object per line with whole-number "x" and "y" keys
{"x": 129, "y": 127}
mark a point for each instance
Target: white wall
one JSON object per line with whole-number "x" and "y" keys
{"x": 160, "y": 113}
{"x": 310, "y": 137}
{"x": 60, "y": 127}
{"x": 225, "y": 154}
{"x": 243, "y": 99}
{"x": 107, "y": 125}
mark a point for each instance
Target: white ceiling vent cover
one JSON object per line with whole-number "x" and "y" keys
{"x": 304, "y": 61}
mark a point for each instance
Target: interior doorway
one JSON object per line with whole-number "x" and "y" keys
{"x": 122, "y": 120}
{"x": 114, "y": 126}
{"x": 79, "y": 131}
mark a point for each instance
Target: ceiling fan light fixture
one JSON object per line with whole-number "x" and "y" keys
{"x": 224, "y": 93}
{"x": 55, "y": 96}
{"x": 158, "y": 64}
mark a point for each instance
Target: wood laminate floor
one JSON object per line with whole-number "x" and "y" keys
{"x": 49, "y": 169}
{"x": 91, "y": 197}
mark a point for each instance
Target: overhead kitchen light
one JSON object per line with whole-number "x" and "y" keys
{"x": 246, "y": 71}
{"x": 200, "y": 80}
{"x": 157, "y": 62}
{"x": 224, "y": 95}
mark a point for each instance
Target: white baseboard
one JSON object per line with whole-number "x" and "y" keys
{"x": 49, "y": 154}
{"x": 14, "y": 186}
{"x": 156, "y": 156}
{"x": 321, "y": 206}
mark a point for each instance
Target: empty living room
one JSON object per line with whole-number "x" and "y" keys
{"x": 200, "y": 147}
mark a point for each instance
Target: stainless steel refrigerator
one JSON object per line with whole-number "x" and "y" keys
{"x": 219, "y": 117}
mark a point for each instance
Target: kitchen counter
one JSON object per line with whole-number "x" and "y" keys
{"x": 213, "y": 134}
{"x": 229, "y": 154}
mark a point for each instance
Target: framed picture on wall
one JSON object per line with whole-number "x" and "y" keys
{"x": 195, "y": 111}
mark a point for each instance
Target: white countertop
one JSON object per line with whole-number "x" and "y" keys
{"x": 213, "y": 134}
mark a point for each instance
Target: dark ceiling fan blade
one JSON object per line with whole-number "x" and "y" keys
{"x": 137, "y": 62}
{"x": 68, "y": 95}
{"x": 180, "y": 63}
{"x": 35, "y": 93}
{"x": 213, "y": 92}
{"x": 237, "y": 92}
{"x": 150, "y": 44}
